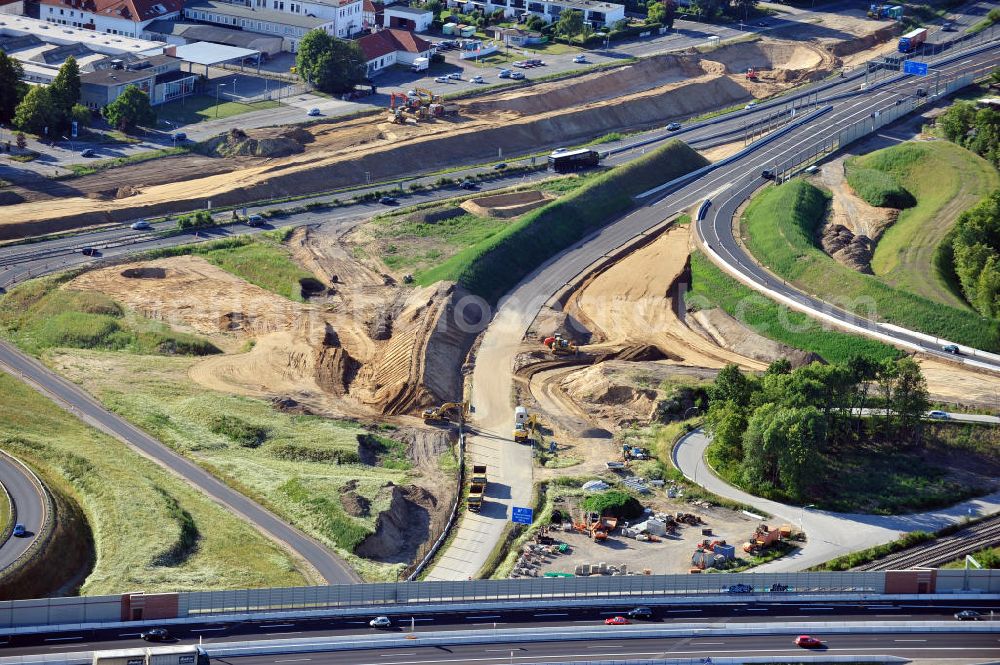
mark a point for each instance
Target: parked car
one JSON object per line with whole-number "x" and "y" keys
{"x": 535, "y": 62}
{"x": 504, "y": 74}
{"x": 517, "y": 76}
{"x": 87, "y": 153}
{"x": 617, "y": 621}
{"x": 455, "y": 76}
{"x": 673, "y": 127}
{"x": 141, "y": 225}
{"x": 255, "y": 220}
{"x": 952, "y": 349}
{"x": 807, "y": 642}
{"x": 388, "y": 201}
{"x": 313, "y": 112}
{"x": 19, "y": 531}
{"x": 155, "y": 635}
{"x": 579, "y": 58}
{"x": 380, "y": 622}
{"x": 180, "y": 136}
{"x": 442, "y": 79}
{"x": 518, "y": 63}
{"x": 968, "y": 615}
{"x": 643, "y": 613}
{"x": 90, "y": 251}
{"x": 937, "y": 415}
{"x": 477, "y": 79}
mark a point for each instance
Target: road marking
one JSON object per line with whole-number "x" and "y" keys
{"x": 607, "y": 646}
{"x": 706, "y": 644}
{"x": 129, "y": 634}
{"x": 909, "y": 640}
{"x": 815, "y": 608}
{"x": 293, "y": 660}
{"x": 551, "y": 615}
{"x": 488, "y": 616}
{"x": 391, "y": 655}
{"x": 68, "y": 646}
{"x": 679, "y": 611}
{"x": 205, "y": 630}
{"x": 293, "y": 632}
{"x": 63, "y": 639}
{"x": 276, "y": 625}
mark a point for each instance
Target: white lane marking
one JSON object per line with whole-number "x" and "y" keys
{"x": 206, "y": 630}
{"x": 63, "y": 639}
{"x": 290, "y": 632}
{"x": 276, "y": 625}
{"x": 486, "y": 616}
{"x": 68, "y": 646}
{"x": 551, "y": 615}
{"x": 128, "y": 634}
{"x": 390, "y": 655}
{"x": 679, "y": 611}
{"x": 706, "y": 644}
{"x": 909, "y": 640}
{"x": 293, "y": 660}
{"x": 814, "y": 608}
{"x": 607, "y": 646}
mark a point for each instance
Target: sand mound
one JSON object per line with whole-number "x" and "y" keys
{"x": 400, "y": 528}
{"x": 237, "y": 143}
{"x": 506, "y": 205}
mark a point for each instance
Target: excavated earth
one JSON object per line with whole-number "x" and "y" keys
{"x": 268, "y": 163}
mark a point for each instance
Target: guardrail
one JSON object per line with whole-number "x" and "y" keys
{"x": 452, "y": 518}
{"x": 8, "y": 528}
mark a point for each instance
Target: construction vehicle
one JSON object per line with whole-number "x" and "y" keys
{"x": 634, "y": 453}
{"x": 762, "y": 537}
{"x": 911, "y": 40}
{"x": 560, "y": 346}
{"x": 752, "y": 74}
{"x": 475, "y": 500}
{"x": 445, "y": 411}
{"x": 524, "y": 425}
{"x": 600, "y": 527}
{"x": 880, "y": 11}
{"x": 478, "y": 476}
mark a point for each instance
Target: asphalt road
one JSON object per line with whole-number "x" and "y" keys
{"x": 326, "y": 563}
{"x": 749, "y": 613}
{"x": 29, "y": 505}
{"x": 828, "y": 534}
{"x": 969, "y": 647}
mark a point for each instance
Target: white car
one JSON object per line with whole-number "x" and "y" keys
{"x": 442, "y": 79}
{"x": 313, "y": 112}
{"x": 578, "y": 59}
{"x": 141, "y": 225}
{"x": 477, "y": 79}
{"x": 937, "y": 415}
{"x": 380, "y": 622}
{"x": 750, "y": 105}
{"x": 455, "y": 76}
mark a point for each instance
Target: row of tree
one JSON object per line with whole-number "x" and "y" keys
{"x": 975, "y": 250}
{"x": 777, "y": 428}
{"x": 50, "y": 110}
{"x": 977, "y": 129}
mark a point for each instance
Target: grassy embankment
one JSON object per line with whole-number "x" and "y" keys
{"x": 941, "y": 180}
{"x": 495, "y": 264}
{"x": 712, "y": 287}
{"x": 781, "y": 224}
{"x": 151, "y": 530}
{"x": 416, "y": 239}
{"x": 5, "y": 512}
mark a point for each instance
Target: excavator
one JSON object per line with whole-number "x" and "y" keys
{"x": 752, "y": 74}
{"x": 441, "y": 413}
{"x": 560, "y": 346}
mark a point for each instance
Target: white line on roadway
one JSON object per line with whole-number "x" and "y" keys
{"x": 815, "y": 608}
{"x": 276, "y": 625}
{"x": 291, "y": 632}
{"x": 679, "y": 611}
{"x": 206, "y": 630}
{"x": 128, "y": 634}
{"x": 391, "y": 655}
{"x": 293, "y": 660}
{"x": 909, "y": 640}
{"x": 63, "y": 639}
{"x": 68, "y": 646}
{"x": 552, "y": 615}
{"x": 488, "y": 616}
{"x": 607, "y": 646}
{"x": 706, "y": 644}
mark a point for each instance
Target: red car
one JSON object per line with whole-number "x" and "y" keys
{"x": 807, "y": 642}
{"x": 617, "y": 621}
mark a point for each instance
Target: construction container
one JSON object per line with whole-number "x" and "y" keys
{"x": 449, "y": 28}
{"x": 727, "y": 551}
{"x": 173, "y": 655}
{"x": 468, "y": 31}
{"x": 187, "y": 655}
{"x": 703, "y": 559}
{"x": 120, "y": 657}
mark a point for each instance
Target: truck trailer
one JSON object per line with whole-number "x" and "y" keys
{"x": 911, "y": 40}
{"x": 174, "y": 655}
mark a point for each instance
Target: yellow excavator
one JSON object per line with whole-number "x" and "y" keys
{"x": 560, "y": 346}
{"x": 441, "y": 414}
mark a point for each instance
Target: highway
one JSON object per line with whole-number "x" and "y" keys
{"x": 491, "y": 388}
{"x": 802, "y": 612}
{"x": 30, "y": 508}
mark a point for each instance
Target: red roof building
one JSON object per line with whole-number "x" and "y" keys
{"x": 116, "y": 17}
{"x": 390, "y": 47}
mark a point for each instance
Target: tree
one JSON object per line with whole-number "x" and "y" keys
{"x": 744, "y": 7}
{"x": 330, "y": 64}
{"x": 11, "y": 87}
{"x": 910, "y": 399}
{"x": 669, "y": 13}
{"x": 655, "y": 11}
{"x": 35, "y": 113}
{"x": 21, "y": 141}
{"x": 81, "y": 115}
{"x": 65, "y": 89}
{"x": 570, "y": 23}
{"x": 130, "y": 110}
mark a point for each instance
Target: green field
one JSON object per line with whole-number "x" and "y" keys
{"x": 152, "y": 531}
{"x": 38, "y": 315}
{"x": 945, "y": 180}
{"x": 203, "y": 107}
{"x": 712, "y": 288}
{"x": 781, "y": 223}
{"x": 494, "y": 265}
{"x": 261, "y": 260}
{"x": 294, "y": 464}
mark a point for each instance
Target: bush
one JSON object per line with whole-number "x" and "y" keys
{"x": 614, "y": 503}
{"x": 293, "y": 453}
{"x": 879, "y": 189}
{"x": 238, "y": 430}
{"x": 200, "y": 219}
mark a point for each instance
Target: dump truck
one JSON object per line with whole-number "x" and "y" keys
{"x": 911, "y": 40}
{"x": 475, "y": 500}
{"x": 479, "y": 475}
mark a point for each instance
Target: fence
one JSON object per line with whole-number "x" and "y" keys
{"x": 426, "y": 554}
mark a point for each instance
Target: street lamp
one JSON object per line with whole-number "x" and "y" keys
{"x": 217, "y": 87}
{"x": 801, "y": 511}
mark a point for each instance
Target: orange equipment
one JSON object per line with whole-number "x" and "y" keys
{"x": 751, "y": 74}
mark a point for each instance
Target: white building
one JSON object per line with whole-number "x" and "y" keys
{"x": 347, "y": 16}
{"x": 595, "y": 12}
{"x": 114, "y": 17}
{"x": 389, "y": 47}
{"x": 290, "y": 27}
{"x": 408, "y": 18}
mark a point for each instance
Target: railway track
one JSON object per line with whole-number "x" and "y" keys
{"x": 945, "y": 549}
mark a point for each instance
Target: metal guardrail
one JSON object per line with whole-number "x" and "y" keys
{"x": 452, "y": 518}
{"x": 8, "y": 528}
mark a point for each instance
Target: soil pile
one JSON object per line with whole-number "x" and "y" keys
{"x": 853, "y": 251}
{"x": 354, "y": 504}
{"x": 237, "y": 143}
{"x": 606, "y": 390}
{"x": 506, "y": 205}
{"x": 401, "y": 527}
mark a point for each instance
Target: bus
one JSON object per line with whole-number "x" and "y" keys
{"x": 562, "y": 161}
